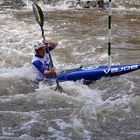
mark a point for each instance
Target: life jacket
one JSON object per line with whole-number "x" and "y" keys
{"x": 46, "y": 63}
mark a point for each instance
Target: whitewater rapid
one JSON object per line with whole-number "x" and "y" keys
{"x": 106, "y": 109}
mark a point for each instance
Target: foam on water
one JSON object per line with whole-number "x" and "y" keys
{"x": 22, "y": 72}
{"x": 82, "y": 111}
{"x": 92, "y": 102}
{"x": 60, "y": 5}
{"x": 122, "y": 8}
{"x": 89, "y": 103}
{"x": 69, "y": 4}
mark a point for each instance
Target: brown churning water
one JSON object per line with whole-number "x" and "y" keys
{"x": 107, "y": 109}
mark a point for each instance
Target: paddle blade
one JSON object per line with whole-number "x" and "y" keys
{"x": 38, "y": 14}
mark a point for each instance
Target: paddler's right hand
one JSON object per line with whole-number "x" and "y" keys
{"x": 51, "y": 72}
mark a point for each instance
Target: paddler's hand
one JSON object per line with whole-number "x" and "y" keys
{"x": 51, "y": 43}
{"x": 51, "y": 72}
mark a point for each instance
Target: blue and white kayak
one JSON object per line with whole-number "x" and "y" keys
{"x": 93, "y": 73}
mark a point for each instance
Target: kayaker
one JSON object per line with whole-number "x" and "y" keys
{"x": 41, "y": 62}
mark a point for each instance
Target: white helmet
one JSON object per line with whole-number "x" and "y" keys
{"x": 37, "y": 45}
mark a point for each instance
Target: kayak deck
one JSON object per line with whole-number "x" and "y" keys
{"x": 93, "y": 73}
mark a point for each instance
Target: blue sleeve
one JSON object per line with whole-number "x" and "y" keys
{"x": 39, "y": 66}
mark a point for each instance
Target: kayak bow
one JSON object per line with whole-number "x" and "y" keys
{"x": 93, "y": 73}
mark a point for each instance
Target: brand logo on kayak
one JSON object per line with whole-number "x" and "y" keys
{"x": 121, "y": 69}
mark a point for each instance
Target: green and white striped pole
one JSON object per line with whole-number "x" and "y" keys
{"x": 109, "y": 33}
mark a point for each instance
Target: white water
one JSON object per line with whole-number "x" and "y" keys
{"x": 105, "y": 109}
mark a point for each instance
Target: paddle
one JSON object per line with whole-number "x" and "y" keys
{"x": 40, "y": 19}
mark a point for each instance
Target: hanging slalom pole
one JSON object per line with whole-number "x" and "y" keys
{"x": 109, "y": 33}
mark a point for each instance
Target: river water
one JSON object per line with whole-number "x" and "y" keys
{"x": 108, "y": 109}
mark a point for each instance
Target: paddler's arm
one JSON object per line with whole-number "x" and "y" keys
{"x": 51, "y": 43}
{"x": 42, "y": 69}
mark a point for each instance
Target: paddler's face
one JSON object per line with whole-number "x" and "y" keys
{"x": 41, "y": 51}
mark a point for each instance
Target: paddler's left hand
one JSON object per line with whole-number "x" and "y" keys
{"x": 51, "y": 43}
